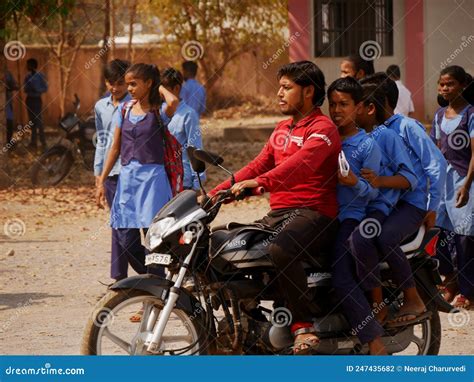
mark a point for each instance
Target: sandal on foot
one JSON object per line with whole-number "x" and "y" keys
{"x": 462, "y": 302}
{"x": 137, "y": 317}
{"x": 305, "y": 346}
{"x": 396, "y": 322}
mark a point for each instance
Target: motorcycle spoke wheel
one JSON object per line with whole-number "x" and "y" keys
{"x": 112, "y": 332}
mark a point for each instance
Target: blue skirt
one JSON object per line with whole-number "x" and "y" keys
{"x": 142, "y": 190}
{"x": 457, "y": 220}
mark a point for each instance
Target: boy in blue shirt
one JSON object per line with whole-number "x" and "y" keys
{"x": 414, "y": 208}
{"x": 192, "y": 92}
{"x": 106, "y": 120}
{"x": 34, "y": 86}
{"x": 395, "y": 176}
{"x": 184, "y": 125}
{"x": 353, "y": 195}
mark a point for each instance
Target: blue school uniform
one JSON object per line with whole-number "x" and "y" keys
{"x": 361, "y": 151}
{"x": 106, "y": 120}
{"x": 184, "y": 126}
{"x": 143, "y": 187}
{"x": 194, "y": 94}
{"x": 395, "y": 161}
{"x": 458, "y": 220}
{"x": 428, "y": 162}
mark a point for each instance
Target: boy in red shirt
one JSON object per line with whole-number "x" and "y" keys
{"x": 298, "y": 166}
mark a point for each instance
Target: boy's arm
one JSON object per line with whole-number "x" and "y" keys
{"x": 99, "y": 150}
{"x": 193, "y": 138}
{"x": 432, "y": 161}
{"x": 171, "y": 100}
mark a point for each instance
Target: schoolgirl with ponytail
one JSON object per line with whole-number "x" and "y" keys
{"x": 143, "y": 186}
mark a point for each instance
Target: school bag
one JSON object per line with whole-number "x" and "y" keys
{"x": 173, "y": 152}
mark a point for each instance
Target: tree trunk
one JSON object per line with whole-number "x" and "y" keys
{"x": 112, "y": 29}
{"x": 106, "y": 47}
{"x": 133, "y": 11}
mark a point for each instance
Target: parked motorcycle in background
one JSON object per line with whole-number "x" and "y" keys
{"x": 79, "y": 144}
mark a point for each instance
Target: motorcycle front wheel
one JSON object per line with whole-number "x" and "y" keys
{"x": 110, "y": 330}
{"x": 52, "y": 166}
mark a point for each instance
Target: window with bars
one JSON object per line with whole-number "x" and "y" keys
{"x": 342, "y": 26}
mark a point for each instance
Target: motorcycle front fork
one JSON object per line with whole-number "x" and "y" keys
{"x": 154, "y": 339}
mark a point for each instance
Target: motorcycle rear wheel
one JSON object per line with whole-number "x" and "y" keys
{"x": 52, "y": 167}
{"x": 109, "y": 330}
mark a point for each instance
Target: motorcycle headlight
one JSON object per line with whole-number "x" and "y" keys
{"x": 154, "y": 236}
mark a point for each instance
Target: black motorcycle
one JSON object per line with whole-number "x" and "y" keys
{"x": 56, "y": 162}
{"x": 231, "y": 306}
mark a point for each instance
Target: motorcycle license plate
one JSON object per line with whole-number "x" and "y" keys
{"x": 157, "y": 258}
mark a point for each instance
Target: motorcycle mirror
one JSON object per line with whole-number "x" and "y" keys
{"x": 197, "y": 165}
{"x": 208, "y": 157}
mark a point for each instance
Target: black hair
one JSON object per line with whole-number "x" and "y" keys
{"x": 360, "y": 64}
{"x": 468, "y": 92}
{"x": 306, "y": 73}
{"x": 32, "y": 63}
{"x": 115, "y": 70}
{"x": 465, "y": 79}
{"x": 347, "y": 85}
{"x": 388, "y": 86}
{"x": 190, "y": 67}
{"x": 393, "y": 71}
{"x": 147, "y": 72}
{"x": 170, "y": 77}
{"x": 372, "y": 93}
{"x": 455, "y": 71}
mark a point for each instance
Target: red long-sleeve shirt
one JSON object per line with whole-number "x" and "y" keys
{"x": 298, "y": 165}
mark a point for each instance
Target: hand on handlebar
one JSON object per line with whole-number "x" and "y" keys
{"x": 239, "y": 187}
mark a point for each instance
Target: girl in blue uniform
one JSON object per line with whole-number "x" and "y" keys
{"x": 143, "y": 187}
{"x": 454, "y": 133}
